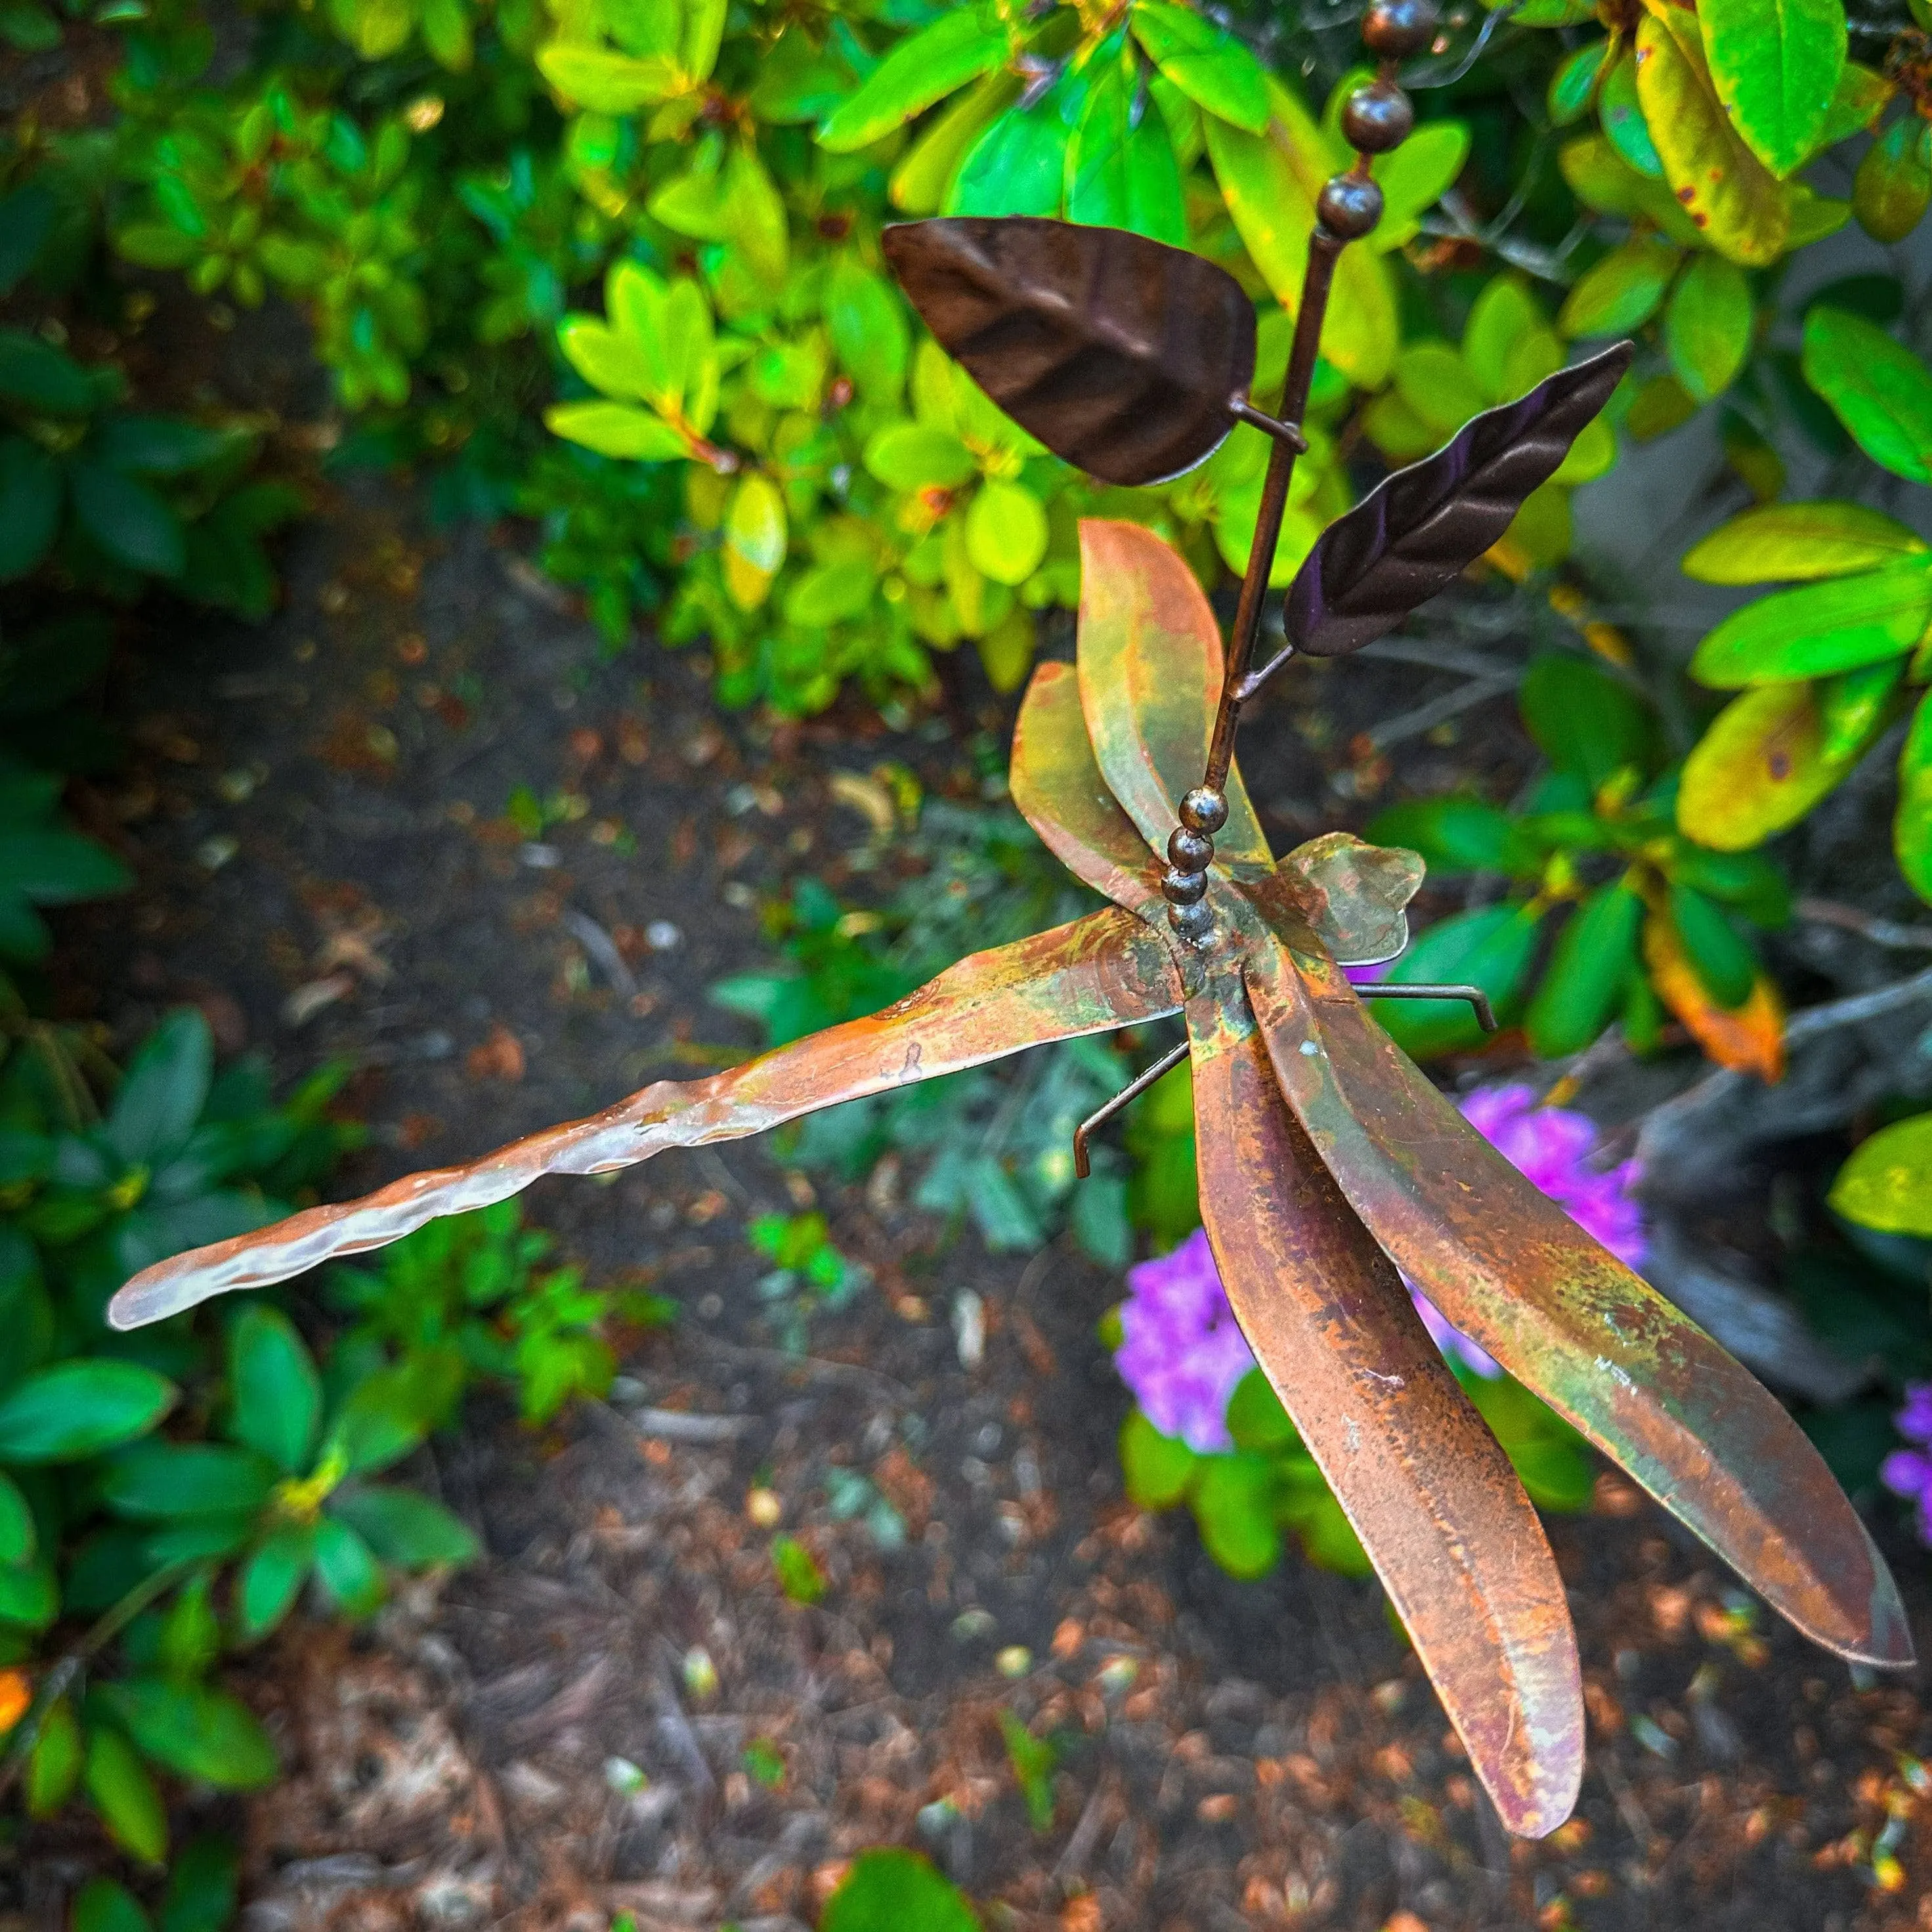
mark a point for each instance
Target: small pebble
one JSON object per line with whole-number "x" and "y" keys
{"x": 764, "y": 1508}
{"x": 1016, "y": 1660}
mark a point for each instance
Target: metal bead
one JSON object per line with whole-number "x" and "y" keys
{"x": 1183, "y": 889}
{"x": 1350, "y": 205}
{"x": 1189, "y": 851}
{"x": 1193, "y": 923}
{"x": 1399, "y": 28}
{"x": 1377, "y": 117}
{"x": 1203, "y": 810}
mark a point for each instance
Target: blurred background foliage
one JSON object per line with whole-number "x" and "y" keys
{"x": 612, "y": 267}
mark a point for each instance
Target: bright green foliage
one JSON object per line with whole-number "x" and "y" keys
{"x": 893, "y": 1890}
{"x": 798, "y": 1575}
{"x": 808, "y": 1273}
{"x": 1244, "y": 1500}
{"x": 1033, "y": 1761}
{"x": 1887, "y": 1183}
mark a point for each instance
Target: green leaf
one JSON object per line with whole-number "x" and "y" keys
{"x": 1818, "y": 628}
{"x": 1018, "y": 165}
{"x": 1491, "y": 947}
{"x": 935, "y": 61}
{"x": 1583, "y": 987}
{"x": 1794, "y": 542}
{"x": 1156, "y": 1468}
{"x": 603, "y": 80}
{"x": 1574, "y": 82}
{"x": 1623, "y": 119}
{"x": 54, "y": 1764}
{"x": 404, "y": 1527}
{"x": 1708, "y": 326}
{"x": 1887, "y": 1182}
{"x": 1738, "y": 206}
{"x": 1006, "y": 531}
{"x": 276, "y": 1393}
{"x": 43, "y": 379}
{"x": 1912, "y": 827}
{"x": 1456, "y": 834}
{"x": 1256, "y": 1419}
{"x": 1416, "y": 176}
{"x": 161, "y": 1480}
{"x": 78, "y": 1409}
{"x": 1854, "y": 706}
{"x": 201, "y": 1733}
{"x": 1722, "y": 959}
{"x": 799, "y": 1577}
{"x": 754, "y": 215}
{"x": 129, "y": 523}
{"x": 1877, "y": 387}
{"x": 271, "y": 1577}
{"x": 910, "y": 456}
{"x": 1776, "y": 65}
{"x": 1234, "y": 1505}
{"x": 29, "y": 1594}
{"x": 1549, "y": 1456}
{"x": 755, "y": 539}
{"x": 203, "y": 1884}
{"x": 1584, "y": 720}
{"x": 156, "y": 445}
{"x": 1602, "y": 179}
{"x": 831, "y": 593}
{"x": 1507, "y": 344}
{"x": 868, "y": 326}
{"x": 102, "y": 1905}
{"x": 1760, "y": 767}
{"x": 1893, "y": 186}
{"x": 1121, "y": 173}
{"x": 1205, "y": 61}
{"x": 1623, "y": 290}
{"x": 161, "y": 1095}
{"x": 31, "y": 495}
{"x": 617, "y": 429}
{"x": 18, "y": 1534}
{"x": 919, "y": 182}
{"x": 120, "y": 1789}
{"x": 347, "y": 1568}
{"x": 892, "y": 1890}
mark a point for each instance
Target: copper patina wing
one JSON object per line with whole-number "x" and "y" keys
{"x": 1107, "y": 970}
{"x": 1511, "y": 1269}
{"x": 1431, "y": 1495}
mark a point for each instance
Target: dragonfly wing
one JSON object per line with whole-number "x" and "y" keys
{"x": 1106, "y": 971}
{"x": 1057, "y": 785}
{"x": 1430, "y": 1493}
{"x": 1599, "y": 1345}
{"x": 1150, "y": 665}
{"x": 1353, "y": 896}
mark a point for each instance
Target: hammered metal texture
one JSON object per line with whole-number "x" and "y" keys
{"x": 1120, "y": 354}
{"x": 1418, "y": 529}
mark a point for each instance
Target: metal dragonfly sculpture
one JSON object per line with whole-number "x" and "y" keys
{"x": 1330, "y": 1166}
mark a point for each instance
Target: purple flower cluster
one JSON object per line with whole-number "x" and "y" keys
{"x": 1183, "y": 1356}
{"x": 1908, "y": 1472}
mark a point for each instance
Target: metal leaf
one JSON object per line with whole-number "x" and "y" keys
{"x": 1120, "y": 354}
{"x": 1421, "y": 528}
{"x": 1599, "y": 1345}
{"x": 1107, "y": 970}
{"x": 1440, "y": 1512}
{"x": 1353, "y": 896}
{"x": 1150, "y": 669}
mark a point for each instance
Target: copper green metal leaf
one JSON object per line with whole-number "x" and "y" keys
{"x": 1106, "y": 971}
{"x": 1602, "y": 1347}
{"x": 1150, "y": 671}
{"x": 1120, "y": 353}
{"x": 1438, "y": 1509}
{"x": 1352, "y": 895}
{"x": 1058, "y": 787}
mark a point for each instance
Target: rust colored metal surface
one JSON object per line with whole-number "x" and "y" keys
{"x": 1431, "y": 1495}
{"x": 1120, "y": 354}
{"x": 1567, "y": 1319}
{"x": 1107, "y": 970}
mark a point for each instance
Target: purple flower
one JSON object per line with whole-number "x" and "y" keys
{"x": 1908, "y": 1472}
{"x": 1182, "y": 1353}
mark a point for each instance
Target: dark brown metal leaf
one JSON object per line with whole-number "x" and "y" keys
{"x": 1107, "y": 970}
{"x": 1438, "y": 1509}
{"x": 1120, "y": 354}
{"x": 1425, "y": 525}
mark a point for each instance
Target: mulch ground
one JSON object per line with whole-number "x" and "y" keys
{"x": 618, "y": 1710}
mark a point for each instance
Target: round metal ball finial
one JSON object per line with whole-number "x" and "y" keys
{"x": 1349, "y": 206}
{"x": 1397, "y": 29}
{"x": 1377, "y": 117}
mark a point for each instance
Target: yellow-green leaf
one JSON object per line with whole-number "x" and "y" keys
{"x": 1776, "y": 65}
{"x": 1601, "y": 179}
{"x": 1820, "y": 627}
{"x": 1416, "y": 176}
{"x": 1729, "y": 193}
{"x": 1894, "y": 184}
{"x": 1006, "y": 533}
{"x": 1791, "y": 542}
{"x": 1708, "y": 326}
{"x": 1912, "y": 828}
{"x": 1878, "y": 389}
{"x": 1205, "y": 61}
{"x": 603, "y": 80}
{"x": 755, "y": 540}
{"x": 1622, "y": 291}
{"x": 617, "y": 429}
{"x": 1887, "y": 1183}
{"x": 1759, "y": 768}
{"x": 918, "y": 183}
{"x": 957, "y": 47}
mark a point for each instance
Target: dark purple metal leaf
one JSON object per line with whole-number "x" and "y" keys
{"x": 1119, "y": 354}
{"x": 1426, "y": 524}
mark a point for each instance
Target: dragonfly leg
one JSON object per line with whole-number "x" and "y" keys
{"x": 1133, "y": 1091}
{"x": 1485, "y": 1016}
